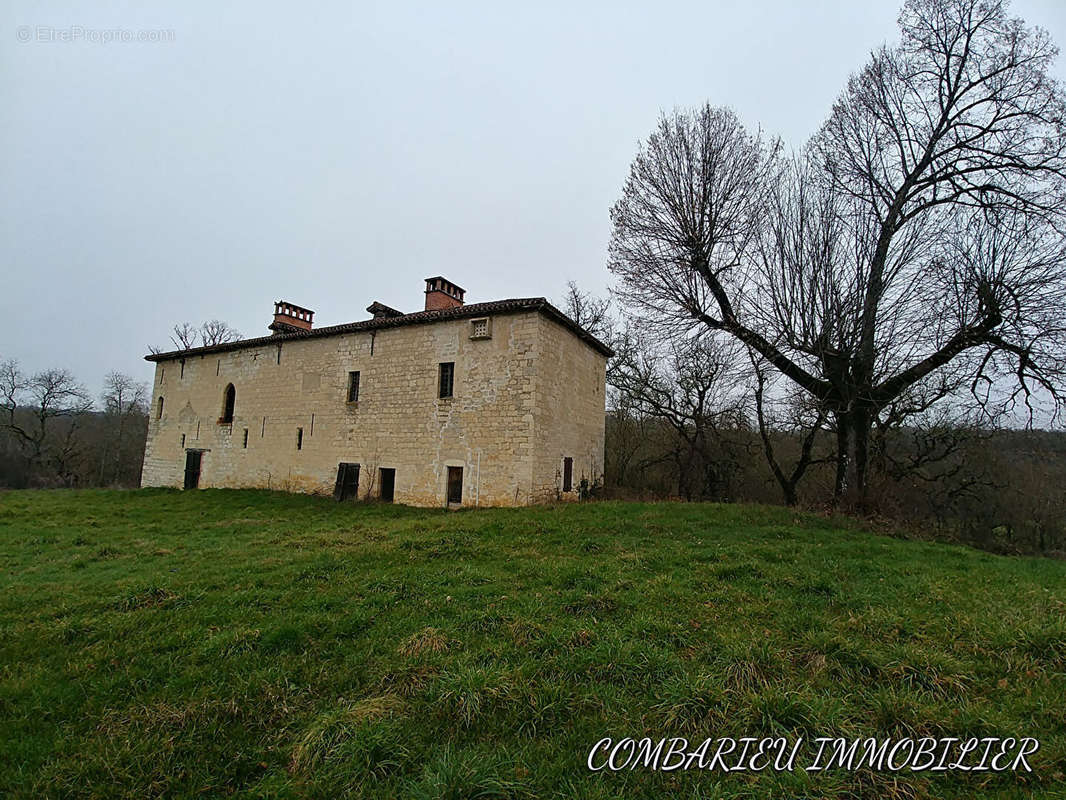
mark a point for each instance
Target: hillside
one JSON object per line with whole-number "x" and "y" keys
{"x": 259, "y": 644}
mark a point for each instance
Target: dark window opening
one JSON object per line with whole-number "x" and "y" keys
{"x": 279, "y": 353}
{"x": 162, "y": 372}
{"x": 353, "y": 387}
{"x": 159, "y": 411}
{"x": 299, "y": 438}
{"x": 388, "y": 484}
{"x": 447, "y": 378}
{"x": 245, "y": 443}
{"x": 229, "y": 400}
{"x": 455, "y": 485}
{"x": 192, "y": 468}
{"x": 218, "y": 366}
{"x": 181, "y": 375}
{"x": 183, "y": 441}
{"x": 568, "y": 474}
{"x": 347, "y": 482}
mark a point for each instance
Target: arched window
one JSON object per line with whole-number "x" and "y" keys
{"x": 228, "y": 401}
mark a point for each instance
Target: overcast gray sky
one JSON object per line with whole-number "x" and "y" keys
{"x": 340, "y": 154}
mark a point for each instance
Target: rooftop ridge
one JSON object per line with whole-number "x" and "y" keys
{"x": 511, "y": 305}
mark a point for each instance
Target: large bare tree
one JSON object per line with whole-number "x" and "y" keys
{"x": 917, "y": 239}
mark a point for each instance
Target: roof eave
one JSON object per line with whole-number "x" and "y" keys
{"x": 513, "y": 306}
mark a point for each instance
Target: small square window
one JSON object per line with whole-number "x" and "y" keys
{"x": 480, "y": 329}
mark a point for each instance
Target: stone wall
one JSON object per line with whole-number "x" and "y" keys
{"x": 489, "y": 427}
{"x": 569, "y": 419}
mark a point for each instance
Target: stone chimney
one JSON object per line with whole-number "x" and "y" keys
{"x": 441, "y": 294}
{"x": 289, "y": 318}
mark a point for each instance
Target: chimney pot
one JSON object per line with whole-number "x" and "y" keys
{"x": 442, "y": 293}
{"x": 289, "y": 317}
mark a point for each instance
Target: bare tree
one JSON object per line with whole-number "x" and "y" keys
{"x": 590, "y": 312}
{"x": 32, "y": 407}
{"x": 185, "y": 336}
{"x": 13, "y": 382}
{"x": 919, "y": 235}
{"x": 625, "y": 434}
{"x": 218, "y": 332}
{"x": 124, "y": 401}
{"x": 695, "y": 387}
{"x": 802, "y": 422}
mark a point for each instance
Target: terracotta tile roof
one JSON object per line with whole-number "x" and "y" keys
{"x": 512, "y": 306}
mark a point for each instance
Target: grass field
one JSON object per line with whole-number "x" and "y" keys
{"x": 256, "y": 644}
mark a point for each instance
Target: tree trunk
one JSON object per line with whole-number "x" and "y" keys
{"x": 860, "y": 443}
{"x": 853, "y": 456}
{"x": 843, "y": 426}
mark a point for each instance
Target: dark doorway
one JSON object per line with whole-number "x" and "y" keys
{"x": 568, "y": 474}
{"x": 347, "y": 482}
{"x": 388, "y": 484}
{"x": 193, "y": 459}
{"x": 455, "y": 485}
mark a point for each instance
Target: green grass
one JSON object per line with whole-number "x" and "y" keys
{"x": 256, "y": 644}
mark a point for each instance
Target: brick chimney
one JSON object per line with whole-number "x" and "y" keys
{"x": 289, "y": 318}
{"x": 441, "y": 294}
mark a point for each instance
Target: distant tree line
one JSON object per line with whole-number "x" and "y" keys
{"x": 53, "y": 433}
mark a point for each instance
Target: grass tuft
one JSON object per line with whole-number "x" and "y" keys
{"x": 427, "y": 640}
{"x": 149, "y": 597}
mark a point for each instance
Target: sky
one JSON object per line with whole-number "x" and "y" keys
{"x": 162, "y": 165}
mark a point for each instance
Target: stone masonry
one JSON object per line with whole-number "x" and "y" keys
{"x": 528, "y": 394}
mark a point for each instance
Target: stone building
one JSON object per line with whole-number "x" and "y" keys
{"x": 498, "y": 403}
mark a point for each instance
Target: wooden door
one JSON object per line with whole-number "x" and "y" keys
{"x": 193, "y": 459}
{"x": 347, "y": 485}
{"x": 455, "y": 484}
